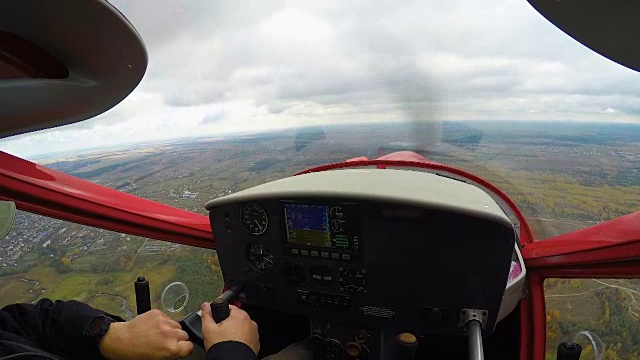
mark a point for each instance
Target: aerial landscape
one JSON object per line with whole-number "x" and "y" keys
{"x": 563, "y": 176}
{"x": 539, "y": 98}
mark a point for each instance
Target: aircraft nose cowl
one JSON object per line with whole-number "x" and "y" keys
{"x": 405, "y": 156}
{"x": 397, "y": 156}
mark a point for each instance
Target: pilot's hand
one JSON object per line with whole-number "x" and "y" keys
{"x": 152, "y": 335}
{"x": 237, "y": 327}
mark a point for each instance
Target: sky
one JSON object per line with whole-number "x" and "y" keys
{"x": 224, "y": 67}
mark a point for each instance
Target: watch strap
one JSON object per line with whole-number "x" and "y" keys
{"x": 98, "y": 327}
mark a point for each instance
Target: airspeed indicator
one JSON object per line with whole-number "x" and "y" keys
{"x": 254, "y": 218}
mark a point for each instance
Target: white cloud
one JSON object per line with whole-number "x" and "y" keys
{"x": 296, "y": 25}
{"x": 253, "y": 65}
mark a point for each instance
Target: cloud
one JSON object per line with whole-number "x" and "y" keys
{"x": 214, "y": 117}
{"x": 252, "y": 65}
{"x": 136, "y": 104}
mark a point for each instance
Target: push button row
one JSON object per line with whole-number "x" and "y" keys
{"x": 321, "y": 254}
{"x": 324, "y": 300}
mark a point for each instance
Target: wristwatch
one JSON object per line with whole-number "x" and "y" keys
{"x": 98, "y": 327}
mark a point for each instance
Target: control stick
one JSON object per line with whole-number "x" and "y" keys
{"x": 474, "y": 327}
{"x": 192, "y": 323}
{"x": 220, "y": 309}
{"x": 473, "y": 320}
{"x": 143, "y": 295}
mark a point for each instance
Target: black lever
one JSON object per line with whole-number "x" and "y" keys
{"x": 192, "y": 323}
{"x": 569, "y": 351}
{"x": 220, "y": 309}
{"x": 143, "y": 295}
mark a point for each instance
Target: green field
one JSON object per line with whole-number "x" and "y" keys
{"x": 106, "y": 289}
{"x": 608, "y": 308}
{"x": 15, "y": 290}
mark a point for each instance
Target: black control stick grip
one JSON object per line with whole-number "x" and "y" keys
{"x": 192, "y": 324}
{"x": 569, "y": 351}
{"x": 143, "y": 295}
{"x": 220, "y": 309}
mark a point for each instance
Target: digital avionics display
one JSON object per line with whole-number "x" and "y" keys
{"x": 308, "y": 224}
{"x": 318, "y": 225}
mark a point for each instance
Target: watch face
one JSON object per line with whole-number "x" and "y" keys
{"x": 98, "y": 327}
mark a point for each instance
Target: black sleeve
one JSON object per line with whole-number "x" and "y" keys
{"x": 230, "y": 350}
{"x": 57, "y": 327}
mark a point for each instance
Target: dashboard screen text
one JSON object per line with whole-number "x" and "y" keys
{"x": 308, "y": 224}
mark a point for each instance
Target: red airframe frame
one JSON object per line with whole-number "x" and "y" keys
{"x": 608, "y": 250}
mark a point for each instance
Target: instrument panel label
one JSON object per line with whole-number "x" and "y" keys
{"x": 377, "y": 311}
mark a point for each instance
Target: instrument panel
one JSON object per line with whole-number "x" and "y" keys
{"x": 374, "y": 261}
{"x": 370, "y": 273}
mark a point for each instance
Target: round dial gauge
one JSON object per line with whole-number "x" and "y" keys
{"x": 336, "y": 225}
{"x": 254, "y": 218}
{"x": 259, "y": 256}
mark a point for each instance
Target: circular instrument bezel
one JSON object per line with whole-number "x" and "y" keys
{"x": 247, "y": 226}
{"x": 269, "y": 256}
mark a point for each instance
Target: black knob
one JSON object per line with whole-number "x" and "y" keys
{"x": 569, "y": 350}
{"x": 220, "y": 309}
{"x": 334, "y": 348}
{"x": 143, "y": 295}
{"x": 318, "y": 346}
{"x": 353, "y": 350}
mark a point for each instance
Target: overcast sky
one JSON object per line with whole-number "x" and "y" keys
{"x": 219, "y": 67}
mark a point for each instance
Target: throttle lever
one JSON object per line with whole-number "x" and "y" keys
{"x": 192, "y": 323}
{"x": 143, "y": 295}
{"x": 569, "y": 351}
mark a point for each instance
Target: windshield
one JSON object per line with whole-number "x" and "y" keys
{"x": 238, "y": 93}
{"x": 234, "y": 98}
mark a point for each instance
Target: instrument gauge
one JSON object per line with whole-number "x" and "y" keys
{"x": 260, "y": 257}
{"x": 336, "y": 226}
{"x": 254, "y": 218}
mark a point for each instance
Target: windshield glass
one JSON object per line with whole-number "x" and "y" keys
{"x": 240, "y": 93}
